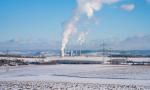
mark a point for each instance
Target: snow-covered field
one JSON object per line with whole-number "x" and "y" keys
{"x": 75, "y": 77}
{"x": 78, "y": 58}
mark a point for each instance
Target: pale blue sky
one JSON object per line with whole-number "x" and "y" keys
{"x": 43, "y": 19}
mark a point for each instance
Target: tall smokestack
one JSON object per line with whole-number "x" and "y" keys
{"x": 62, "y": 53}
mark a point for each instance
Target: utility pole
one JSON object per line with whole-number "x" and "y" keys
{"x": 103, "y": 51}
{"x": 7, "y": 61}
{"x": 80, "y": 50}
{"x": 110, "y": 50}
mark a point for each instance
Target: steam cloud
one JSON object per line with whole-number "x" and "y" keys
{"x": 87, "y": 7}
{"x": 81, "y": 38}
{"x": 128, "y": 7}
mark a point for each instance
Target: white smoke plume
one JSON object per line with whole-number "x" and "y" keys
{"x": 86, "y": 7}
{"x": 128, "y": 7}
{"x": 81, "y": 38}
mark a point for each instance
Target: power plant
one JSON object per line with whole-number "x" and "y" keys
{"x": 70, "y": 53}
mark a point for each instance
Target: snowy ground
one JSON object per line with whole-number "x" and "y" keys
{"x": 79, "y": 58}
{"x": 76, "y": 77}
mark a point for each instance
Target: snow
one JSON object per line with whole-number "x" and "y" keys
{"x": 117, "y": 75}
{"x": 82, "y": 58}
{"x": 47, "y": 85}
{"x": 140, "y": 59}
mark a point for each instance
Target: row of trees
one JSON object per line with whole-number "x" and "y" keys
{"x": 12, "y": 62}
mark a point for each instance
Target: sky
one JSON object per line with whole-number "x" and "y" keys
{"x": 43, "y": 20}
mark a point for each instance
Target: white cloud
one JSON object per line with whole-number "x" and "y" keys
{"x": 140, "y": 42}
{"x": 128, "y": 7}
{"x": 23, "y": 44}
{"x": 134, "y": 43}
{"x": 148, "y": 1}
{"x": 130, "y": 43}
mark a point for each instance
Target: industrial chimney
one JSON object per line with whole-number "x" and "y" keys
{"x": 62, "y": 53}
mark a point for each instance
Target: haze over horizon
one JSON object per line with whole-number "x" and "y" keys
{"x": 38, "y": 24}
